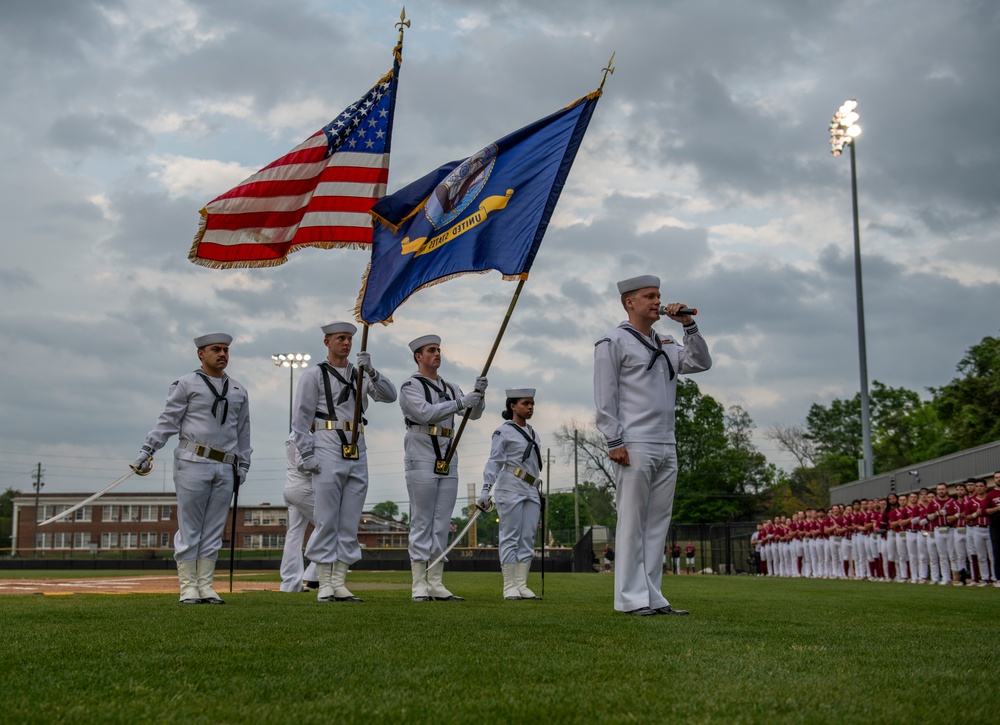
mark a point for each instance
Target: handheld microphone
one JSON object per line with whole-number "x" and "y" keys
{"x": 682, "y": 311}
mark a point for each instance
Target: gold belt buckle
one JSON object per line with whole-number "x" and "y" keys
{"x": 199, "y": 450}
{"x": 214, "y": 455}
{"x": 350, "y": 451}
{"x": 441, "y": 467}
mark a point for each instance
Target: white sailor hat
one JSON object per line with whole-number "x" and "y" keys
{"x": 425, "y": 340}
{"x": 643, "y": 280}
{"x": 334, "y": 327}
{"x": 213, "y": 338}
{"x": 518, "y": 393}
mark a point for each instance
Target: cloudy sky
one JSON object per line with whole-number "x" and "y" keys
{"x": 707, "y": 162}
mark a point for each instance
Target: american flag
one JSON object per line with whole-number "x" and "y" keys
{"x": 316, "y": 195}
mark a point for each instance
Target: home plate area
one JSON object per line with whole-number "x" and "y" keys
{"x": 114, "y": 585}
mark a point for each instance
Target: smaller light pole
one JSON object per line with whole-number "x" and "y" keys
{"x": 291, "y": 360}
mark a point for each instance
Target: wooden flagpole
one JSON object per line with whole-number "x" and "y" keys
{"x": 486, "y": 368}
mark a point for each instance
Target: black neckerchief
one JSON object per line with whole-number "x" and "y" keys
{"x": 532, "y": 444}
{"x": 219, "y": 397}
{"x": 656, "y": 351}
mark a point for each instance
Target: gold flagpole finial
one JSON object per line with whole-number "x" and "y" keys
{"x": 610, "y": 68}
{"x": 403, "y": 22}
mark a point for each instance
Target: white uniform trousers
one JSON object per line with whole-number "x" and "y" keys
{"x": 902, "y": 556}
{"x": 340, "y": 489}
{"x": 872, "y": 541}
{"x": 812, "y": 553}
{"x": 301, "y": 500}
{"x": 204, "y": 491}
{"x": 889, "y": 548}
{"x": 978, "y": 543}
{"x": 801, "y": 562}
{"x": 859, "y": 555}
{"x": 645, "y": 500}
{"x": 846, "y": 548}
{"x": 923, "y": 555}
{"x": 833, "y": 557}
{"x": 913, "y": 555}
{"x": 958, "y": 552}
{"x": 519, "y": 509}
{"x": 432, "y": 502}
{"x": 942, "y": 543}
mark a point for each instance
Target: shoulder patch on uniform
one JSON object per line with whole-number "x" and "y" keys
{"x": 603, "y": 339}
{"x": 406, "y": 383}
{"x": 496, "y": 433}
{"x": 174, "y": 383}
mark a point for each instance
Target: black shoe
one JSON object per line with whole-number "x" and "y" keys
{"x": 191, "y": 601}
{"x": 421, "y": 599}
{"x": 351, "y": 598}
{"x": 670, "y": 610}
{"x": 212, "y": 600}
{"x": 641, "y": 612}
{"x": 311, "y": 584}
{"x": 512, "y": 599}
{"x": 452, "y": 598}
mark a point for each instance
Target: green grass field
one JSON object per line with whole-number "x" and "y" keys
{"x": 753, "y": 650}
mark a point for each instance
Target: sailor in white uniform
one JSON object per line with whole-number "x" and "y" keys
{"x": 325, "y": 400}
{"x": 429, "y": 406}
{"x": 635, "y": 385}
{"x": 512, "y": 476}
{"x": 210, "y": 413}
{"x": 300, "y": 498}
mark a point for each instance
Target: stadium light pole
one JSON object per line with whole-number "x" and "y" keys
{"x": 291, "y": 360}
{"x": 844, "y": 131}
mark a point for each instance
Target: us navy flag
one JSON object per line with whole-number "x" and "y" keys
{"x": 489, "y": 211}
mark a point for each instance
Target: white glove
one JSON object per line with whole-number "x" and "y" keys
{"x": 365, "y": 362}
{"x": 923, "y": 522}
{"x": 484, "y": 497}
{"x": 471, "y": 400}
{"x": 481, "y": 383}
{"x": 310, "y": 465}
{"x": 143, "y": 463}
{"x": 241, "y": 476}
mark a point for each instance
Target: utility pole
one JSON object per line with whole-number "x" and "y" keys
{"x": 576, "y": 483}
{"x": 38, "y": 488}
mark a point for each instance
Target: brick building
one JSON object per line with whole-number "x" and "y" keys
{"x": 144, "y": 524}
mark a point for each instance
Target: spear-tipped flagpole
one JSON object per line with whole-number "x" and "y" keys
{"x": 608, "y": 69}
{"x": 356, "y": 429}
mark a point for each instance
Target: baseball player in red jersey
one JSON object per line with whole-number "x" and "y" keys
{"x": 978, "y": 537}
{"x": 939, "y": 539}
{"x": 993, "y": 511}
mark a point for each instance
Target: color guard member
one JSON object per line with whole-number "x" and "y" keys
{"x": 210, "y": 413}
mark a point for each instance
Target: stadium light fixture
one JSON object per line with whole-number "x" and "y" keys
{"x": 844, "y": 132}
{"x": 291, "y": 360}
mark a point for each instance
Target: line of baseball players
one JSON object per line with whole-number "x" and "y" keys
{"x": 923, "y": 537}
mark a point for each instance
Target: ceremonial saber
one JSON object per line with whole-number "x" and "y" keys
{"x": 463, "y": 532}
{"x": 232, "y": 535}
{"x": 94, "y": 497}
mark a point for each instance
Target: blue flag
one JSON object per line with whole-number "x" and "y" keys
{"x": 488, "y": 211}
